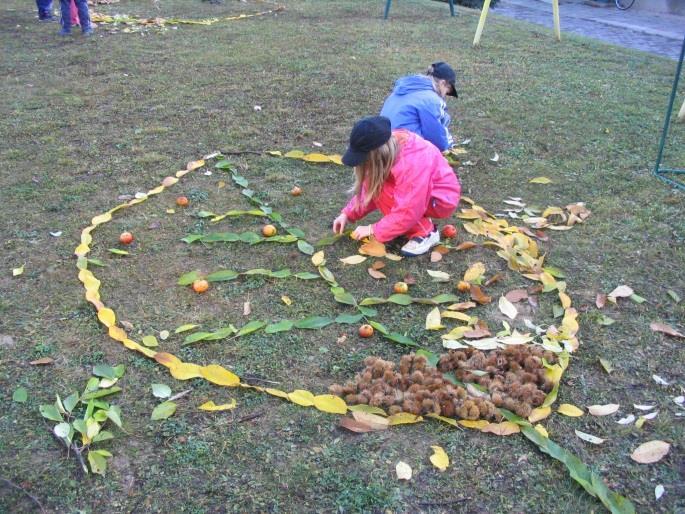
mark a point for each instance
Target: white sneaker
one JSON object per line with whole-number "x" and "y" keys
{"x": 420, "y": 245}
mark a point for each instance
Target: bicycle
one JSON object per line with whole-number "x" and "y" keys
{"x": 624, "y": 4}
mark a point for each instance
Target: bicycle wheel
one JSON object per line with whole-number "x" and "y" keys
{"x": 624, "y": 4}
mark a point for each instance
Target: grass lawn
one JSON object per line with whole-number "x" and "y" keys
{"x": 85, "y": 121}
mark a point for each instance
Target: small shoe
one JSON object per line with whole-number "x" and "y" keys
{"x": 47, "y": 19}
{"x": 420, "y": 245}
{"x": 65, "y": 32}
{"x": 88, "y": 31}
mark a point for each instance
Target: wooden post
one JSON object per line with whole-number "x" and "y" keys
{"x": 681, "y": 114}
{"x": 481, "y": 22}
{"x": 555, "y": 10}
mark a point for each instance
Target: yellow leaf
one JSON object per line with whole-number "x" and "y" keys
{"x": 286, "y": 300}
{"x": 373, "y": 248}
{"x": 316, "y": 157}
{"x": 433, "y": 320}
{"x": 353, "y": 259}
{"x": 193, "y": 165}
{"x": 554, "y": 373}
{"x": 548, "y": 281}
{"x": 275, "y": 153}
{"x": 211, "y": 406}
{"x": 277, "y": 392}
{"x": 439, "y": 459}
{"x": 478, "y": 424}
{"x": 569, "y": 410}
{"x": 449, "y": 421}
{"x": 18, "y": 271}
{"x": 474, "y": 272}
{"x": 117, "y": 333}
{"x": 540, "y": 180}
{"x": 301, "y": 397}
{"x": 81, "y": 249}
{"x": 107, "y": 317}
{"x": 503, "y": 428}
{"x": 150, "y": 341}
{"x": 457, "y": 315}
{"x": 167, "y": 359}
{"x": 185, "y": 371}
{"x": 507, "y": 308}
{"x": 367, "y": 408}
{"x": 318, "y": 258}
{"x": 565, "y": 300}
{"x": 336, "y": 159}
{"x": 294, "y": 154}
{"x": 540, "y": 429}
{"x": 169, "y": 181}
{"x": 101, "y": 218}
{"x": 155, "y": 191}
{"x": 330, "y": 403}
{"x": 403, "y": 418}
{"x": 539, "y": 414}
{"x": 219, "y": 375}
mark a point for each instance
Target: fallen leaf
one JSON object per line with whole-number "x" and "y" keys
{"x": 479, "y": 296}
{"x": 374, "y": 421}
{"x": 507, "y": 308}
{"x": 442, "y": 250}
{"x": 403, "y": 471}
{"x": 247, "y": 308}
{"x": 353, "y": 259}
{"x": 643, "y": 407}
{"x": 286, "y": 300}
{"x": 605, "y": 320}
{"x": 503, "y": 428}
{"x": 540, "y": 180}
{"x": 373, "y": 248}
{"x": 589, "y": 437}
{"x": 18, "y": 271}
{"x": 603, "y": 410}
{"x": 438, "y": 276}
{"x": 409, "y": 279}
{"x": 212, "y": 407}
{"x": 42, "y": 361}
{"x": 540, "y": 429}
{"x": 466, "y": 245}
{"x": 477, "y": 333}
{"x": 660, "y": 380}
{"x": 621, "y": 292}
{"x": 658, "y": 491}
{"x": 355, "y": 426}
{"x": 161, "y": 390}
{"x": 627, "y": 420}
{"x": 674, "y": 296}
{"x": 495, "y": 278}
{"x": 516, "y": 295}
{"x": 651, "y": 415}
{"x": 539, "y": 414}
{"x": 56, "y": 234}
{"x": 404, "y": 418}
{"x": 601, "y": 300}
{"x": 606, "y": 365}
{"x": 150, "y": 341}
{"x": 650, "y": 452}
{"x": 462, "y": 306}
{"x": 439, "y": 459}
{"x": 378, "y": 275}
{"x": 569, "y": 410}
{"x": 163, "y": 411}
{"x": 378, "y": 264}
{"x": 475, "y": 272}
{"x": 433, "y": 321}
{"x": 436, "y": 256}
{"x": 665, "y": 329}
{"x": 318, "y": 258}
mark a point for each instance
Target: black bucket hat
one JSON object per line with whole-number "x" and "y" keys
{"x": 442, "y": 70}
{"x": 367, "y": 134}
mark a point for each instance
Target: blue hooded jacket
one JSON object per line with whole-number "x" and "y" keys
{"x": 414, "y": 105}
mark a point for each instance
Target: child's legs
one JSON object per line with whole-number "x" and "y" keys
{"x": 436, "y": 209}
{"x": 84, "y": 17}
{"x": 65, "y": 8}
{"x": 44, "y": 7}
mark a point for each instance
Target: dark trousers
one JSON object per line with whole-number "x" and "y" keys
{"x": 44, "y": 8}
{"x": 82, "y": 7}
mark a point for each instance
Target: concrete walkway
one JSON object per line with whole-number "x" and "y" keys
{"x": 660, "y": 34}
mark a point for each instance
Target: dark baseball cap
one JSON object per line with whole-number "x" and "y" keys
{"x": 442, "y": 70}
{"x": 367, "y": 134}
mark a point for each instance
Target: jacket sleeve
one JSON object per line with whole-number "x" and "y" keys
{"x": 432, "y": 116}
{"x": 355, "y": 211}
{"x": 412, "y": 189}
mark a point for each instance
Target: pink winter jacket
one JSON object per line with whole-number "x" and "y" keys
{"x": 420, "y": 176}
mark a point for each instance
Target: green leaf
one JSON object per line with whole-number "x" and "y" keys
{"x": 150, "y": 341}
{"x": 163, "y": 411}
{"x": 100, "y": 416}
{"x": 431, "y": 357}
{"x": 674, "y": 296}
{"x": 372, "y": 301}
{"x": 247, "y": 192}
{"x": 281, "y": 239}
{"x": 400, "y": 299}
{"x": 446, "y": 298}
{"x": 400, "y": 338}
{"x": 220, "y": 237}
{"x": 98, "y": 463}
{"x": 185, "y": 328}
{"x": 313, "y": 322}
{"x": 349, "y": 319}
{"x": 96, "y": 262}
{"x": 62, "y": 430}
{"x": 605, "y": 320}
{"x": 306, "y": 275}
{"x": 50, "y": 412}
{"x": 369, "y": 312}
{"x": 252, "y": 326}
{"x": 554, "y": 271}
{"x": 225, "y": 164}
{"x": 161, "y": 390}
{"x": 250, "y": 237}
{"x": 345, "y": 297}
{"x": 329, "y": 240}
{"x": 116, "y": 251}
{"x": 197, "y": 336}
{"x": 101, "y": 393}
{"x": 222, "y": 333}
{"x": 119, "y": 370}
{"x": 92, "y": 385}
{"x": 379, "y": 326}
{"x": 257, "y": 271}
{"x": 637, "y": 298}
{"x": 305, "y": 247}
{"x": 606, "y": 365}
{"x": 297, "y": 233}
{"x": 204, "y": 214}
{"x": 239, "y": 180}
{"x": 327, "y": 275}
{"x": 70, "y": 402}
{"x": 80, "y": 426}
{"x": 222, "y": 275}
{"x": 103, "y": 436}
{"x": 188, "y": 278}
{"x": 20, "y": 395}
{"x": 104, "y": 371}
{"x": 281, "y": 273}
{"x": 114, "y": 414}
{"x": 191, "y": 238}
{"x": 557, "y": 311}
{"x": 551, "y": 396}
{"x": 281, "y": 326}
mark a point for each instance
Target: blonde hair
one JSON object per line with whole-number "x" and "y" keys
{"x": 373, "y": 172}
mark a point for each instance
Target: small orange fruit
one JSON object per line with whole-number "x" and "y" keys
{"x": 463, "y": 286}
{"x": 400, "y": 287}
{"x": 200, "y": 286}
{"x": 366, "y": 331}
{"x": 126, "y": 238}
{"x": 269, "y": 230}
{"x": 182, "y": 201}
{"x": 449, "y": 231}
{"x": 296, "y": 191}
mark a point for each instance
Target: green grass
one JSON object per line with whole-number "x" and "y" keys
{"x": 84, "y": 121}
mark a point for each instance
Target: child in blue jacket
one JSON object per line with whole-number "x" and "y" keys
{"x": 417, "y": 104}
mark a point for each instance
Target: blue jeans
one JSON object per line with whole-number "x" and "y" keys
{"x": 44, "y": 8}
{"x": 84, "y": 17}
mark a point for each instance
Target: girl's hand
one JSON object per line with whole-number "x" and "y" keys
{"x": 362, "y": 231}
{"x": 339, "y": 223}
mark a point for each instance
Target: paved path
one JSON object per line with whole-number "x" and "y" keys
{"x": 658, "y": 34}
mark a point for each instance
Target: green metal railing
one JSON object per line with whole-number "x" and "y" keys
{"x": 660, "y": 172}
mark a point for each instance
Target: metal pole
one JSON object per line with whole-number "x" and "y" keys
{"x": 667, "y": 120}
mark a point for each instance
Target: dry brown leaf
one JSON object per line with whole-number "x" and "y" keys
{"x": 601, "y": 300}
{"x": 341, "y": 339}
{"x": 378, "y": 264}
{"x": 622, "y": 292}
{"x": 43, "y": 361}
{"x": 479, "y": 296}
{"x": 462, "y": 306}
{"x": 436, "y": 256}
{"x": 374, "y": 421}
{"x": 495, "y": 278}
{"x": 373, "y": 248}
{"x": 409, "y": 279}
{"x": 477, "y": 333}
{"x": 441, "y": 249}
{"x": 466, "y": 245}
{"x": 650, "y": 452}
{"x": 516, "y": 295}
{"x": 376, "y": 274}
{"x": 355, "y": 426}
{"x": 665, "y": 329}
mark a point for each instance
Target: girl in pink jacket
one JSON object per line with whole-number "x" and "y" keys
{"x": 403, "y": 176}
